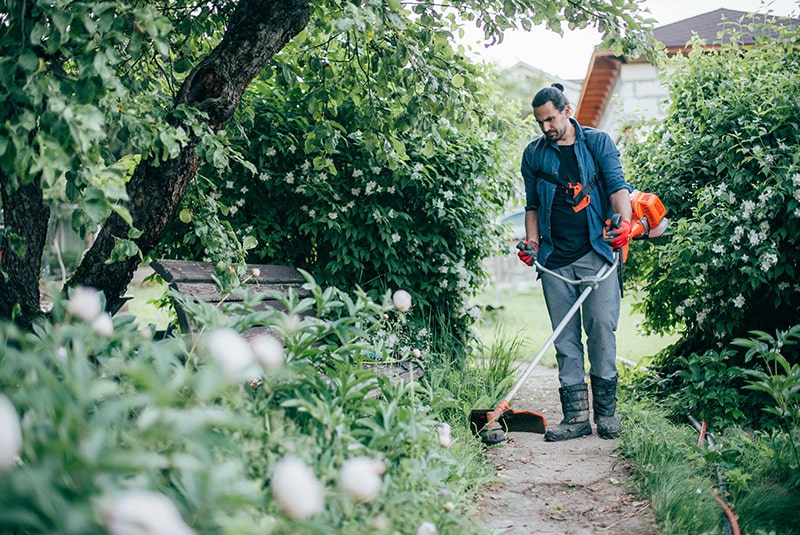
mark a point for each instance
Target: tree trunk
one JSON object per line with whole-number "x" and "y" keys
{"x": 257, "y": 31}
{"x": 26, "y": 215}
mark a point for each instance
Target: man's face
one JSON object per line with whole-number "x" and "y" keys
{"x": 554, "y": 123}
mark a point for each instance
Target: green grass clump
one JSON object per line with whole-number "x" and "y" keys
{"x": 669, "y": 471}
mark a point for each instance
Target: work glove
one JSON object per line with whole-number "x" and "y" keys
{"x": 528, "y": 250}
{"x": 617, "y": 236}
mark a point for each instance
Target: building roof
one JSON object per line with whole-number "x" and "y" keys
{"x": 604, "y": 67}
{"x": 708, "y": 25}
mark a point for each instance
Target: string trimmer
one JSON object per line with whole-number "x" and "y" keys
{"x": 647, "y": 221}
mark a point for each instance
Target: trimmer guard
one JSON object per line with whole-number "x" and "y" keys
{"x": 522, "y": 421}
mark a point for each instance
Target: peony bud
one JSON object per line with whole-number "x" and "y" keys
{"x": 361, "y": 477}
{"x": 103, "y": 325}
{"x": 268, "y": 351}
{"x": 10, "y": 434}
{"x": 296, "y": 489}
{"x": 417, "y": 353}
{"x": 138, "y": 512}
{"x": 85, "y": 303}
{"x": 444, "y": 435}
{"x": 401, "y": 300}
{"x": 233, "y": 352}
{"x": 449, "y": 507}
{"x": 256, "y": 272}
{"x": 426, "y": 528}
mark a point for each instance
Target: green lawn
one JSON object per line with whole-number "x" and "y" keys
{"x": 522, "y": 312}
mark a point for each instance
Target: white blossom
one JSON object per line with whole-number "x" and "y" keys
{"x": 426, "y": 528}
{"x": 103, "y": 325}
{"x": 289, "y": 178}
{"x": 10, "y": 434}
{"x": 360, "y": 477}
{"x": 270, "y": 152}
{"x": 739, "y": 301}
{"x": 233, "y": 353}
{"x": 395, "y": 237}
{"x": 443, "y": 432}
{"x": 268, "y": 351}
{"x": 767, "y": 261}
{"x": 358, "y": 172}
{"x": 296, "y": 489}
{"x": 138, "y": 512}
{"x": 680, "y": 310}
{"x": 401, "y": 300}
{"x": 85, "y": 303}
{"x": 717, "y": 248}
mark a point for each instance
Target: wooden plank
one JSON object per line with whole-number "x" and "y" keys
{"x": 196, "y": 281}
{"x": 193, "y": 271}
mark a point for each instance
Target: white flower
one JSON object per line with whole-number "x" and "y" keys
{"x": 139, "y": 512}
{"x": 416, "y": 352}
{"x": 296, "y": 489}
{"x": 395, "y": 237}
{"x": 739, "y": 301}
{"x": 359, "y": 172}
{"x": 360, "y": 477}
{"x": 767, "y": 261}
{"x": 270, "y": 152}
{"x": 444, "y": 435}
{"x": 10, "y": 434}
{"x": 680, "y": 310}
{"x": 426, "y": 528}
{"x": 332, "y": 215}
{"x": 85, "y": 303}
{"x": 233, "y": 353}
{"x": 103, "y": 325}
{"x": 268, "y": 351}
{"x": 401, "y": 300}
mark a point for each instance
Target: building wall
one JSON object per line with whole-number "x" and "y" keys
{"x": 637, "y": 94}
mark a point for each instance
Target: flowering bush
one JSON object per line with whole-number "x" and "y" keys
{"x": 725, "y": 163}
{"x": 110, "y": 431}
{"x": 378, "y": 162}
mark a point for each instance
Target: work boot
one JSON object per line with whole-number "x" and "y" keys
{"x": 604, "y": 402}
{"x": 575, "y": 405}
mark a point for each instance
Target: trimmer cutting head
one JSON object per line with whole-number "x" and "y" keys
{"x": 493, "y": 430}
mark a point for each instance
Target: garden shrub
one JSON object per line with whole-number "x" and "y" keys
{"x": 196, "y": 427}
{"x": 380, "y": 163}
{"x": 726, "y": 163}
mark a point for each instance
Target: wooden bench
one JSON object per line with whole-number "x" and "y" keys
{"x": 197, "y": 280}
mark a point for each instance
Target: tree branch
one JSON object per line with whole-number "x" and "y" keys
{"x": 258, "y": 29}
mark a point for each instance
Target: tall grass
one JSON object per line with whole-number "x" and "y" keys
{"x": 669, "y": 471}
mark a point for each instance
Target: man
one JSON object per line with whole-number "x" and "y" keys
{"x": 573, "y": 185}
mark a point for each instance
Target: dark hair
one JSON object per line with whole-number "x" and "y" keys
{"x": 554, "y": 94}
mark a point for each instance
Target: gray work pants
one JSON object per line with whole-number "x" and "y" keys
{"x": 599, "y": 315}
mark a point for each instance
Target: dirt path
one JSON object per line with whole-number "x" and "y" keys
{"x": 576, "y": 487}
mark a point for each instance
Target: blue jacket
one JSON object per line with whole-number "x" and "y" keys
{"x": 597, "y": 156}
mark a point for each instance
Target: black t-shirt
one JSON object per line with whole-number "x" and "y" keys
{"x": 569, "y": 229}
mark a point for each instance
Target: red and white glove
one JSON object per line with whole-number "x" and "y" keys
{"x": 528, "y": 250}
{"x": 618, "y": 237}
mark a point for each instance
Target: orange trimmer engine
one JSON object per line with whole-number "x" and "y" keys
{"x": 648, "y": 219}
